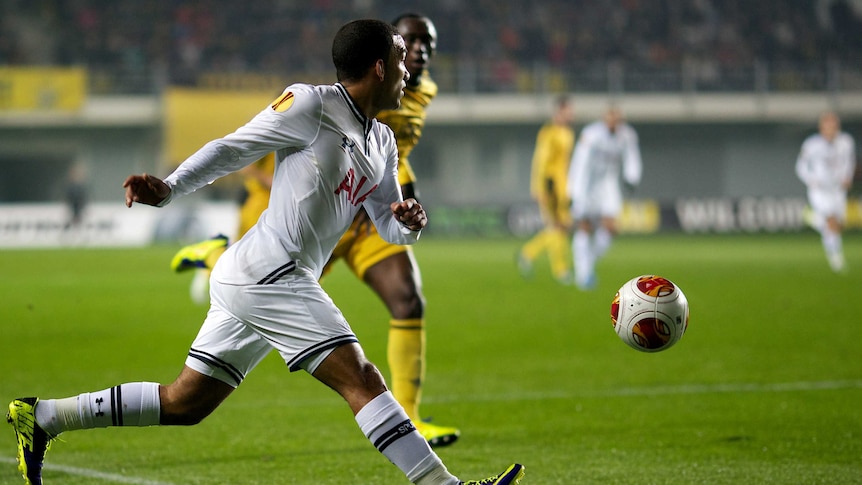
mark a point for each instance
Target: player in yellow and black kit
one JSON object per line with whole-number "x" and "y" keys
{"x": 257, "y": 182}
{"x": 548, "y": 183}
{"x": 390, "y": 270}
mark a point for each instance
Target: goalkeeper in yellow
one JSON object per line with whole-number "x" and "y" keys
{"x": 389, "y": 270}
{"x": 548, "y": 182}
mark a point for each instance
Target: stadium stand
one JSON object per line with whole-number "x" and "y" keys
{"x": 133, "y": 46}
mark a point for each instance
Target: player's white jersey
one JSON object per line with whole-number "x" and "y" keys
{"x": 826, "y": 166}
{"x": 599, "y": 161}
{"x": 330, "y": 160}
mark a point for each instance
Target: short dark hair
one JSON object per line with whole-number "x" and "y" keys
{"x": 358, "y": 45}
{"x": 408, "y": 15}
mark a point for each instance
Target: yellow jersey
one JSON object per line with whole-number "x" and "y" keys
{"x": 257, "y": 193}
{"x": 554, "y": 145}
{"x": 408, "y": 121}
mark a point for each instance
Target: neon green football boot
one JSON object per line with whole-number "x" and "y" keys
{"x": 437, "y": 436}
{"x": 195, "y": 255}
{"x": 512, "y": 476}
{"x": 33, "y": 441}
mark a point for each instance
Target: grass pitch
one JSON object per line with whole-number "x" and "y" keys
{"x": 766, "y": 386}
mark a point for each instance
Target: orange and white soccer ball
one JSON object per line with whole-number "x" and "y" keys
{"x": 650, "y": 313}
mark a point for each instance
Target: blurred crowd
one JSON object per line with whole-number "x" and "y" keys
{"x": 178, "y": 40}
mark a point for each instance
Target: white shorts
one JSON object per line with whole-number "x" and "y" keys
{"x": 293, "y": 316}
{"x": 828, "y": 203}
{"x": 604, "y": 199}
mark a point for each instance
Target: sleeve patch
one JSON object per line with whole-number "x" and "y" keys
{"x": 283, "y": 102}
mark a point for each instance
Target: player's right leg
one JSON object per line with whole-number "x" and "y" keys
{"x": 221, "y": 355}
{"x": 33, "y": 441}
{"x": 189, "y": 399}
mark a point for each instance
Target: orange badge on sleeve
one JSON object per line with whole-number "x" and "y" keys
{"x": 283, "y": 102}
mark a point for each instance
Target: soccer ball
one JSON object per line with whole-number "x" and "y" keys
{"x": 650, "y": 313}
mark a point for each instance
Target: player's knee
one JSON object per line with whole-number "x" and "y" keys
{"x": 185, "y": 407}
{"x": 179, "y": 415}
{"x": 408, "y": 306}
{"x": 372, "y": 379}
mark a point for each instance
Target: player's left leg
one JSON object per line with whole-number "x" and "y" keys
{"x": 532, "y": 249}
{"x": 397, "y": 281}
{"x": 379, "y": 416}
{"x": 558, "y": 255}
{"x": 604, "y": 236}
{"x": 833, "y": 244}
{"x": 558, "y": 246}
{"x": 385, "y": 423}
{"x": 582, "y": 249}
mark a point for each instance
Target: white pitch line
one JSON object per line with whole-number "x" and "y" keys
{"x": 729, "y": 388}
{"x": 87, "y": 473}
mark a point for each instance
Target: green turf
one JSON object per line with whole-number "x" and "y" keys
{"x": 766, "y": 387}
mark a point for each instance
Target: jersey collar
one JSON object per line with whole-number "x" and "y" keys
{"x": 364, "y": 120}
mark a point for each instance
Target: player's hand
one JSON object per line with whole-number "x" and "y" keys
{"x": 410, "y": 213}
{"x": 145, "y": 189}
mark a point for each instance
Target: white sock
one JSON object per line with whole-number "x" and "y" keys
{"x": 132, "y": 404}
{"x": 386, "y": 425}
{"x": 833, "y": 246}
{"x": 583, "y": 256}
{"x": 601, "y": 242}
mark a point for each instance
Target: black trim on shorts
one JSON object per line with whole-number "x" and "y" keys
{"x": 294, "y": 363}
{"x": 278, "y": 273}
{"x": 214, "y": 361}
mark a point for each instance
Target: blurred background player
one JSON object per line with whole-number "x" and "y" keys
{"x": 548, "y": 188}
{"x": 389, "y": 270}
{"x": 606, "y": 157}
{"x": 76, "y": 196}
{"x": 202, "y": 256}
{"x": 826, "y": 164}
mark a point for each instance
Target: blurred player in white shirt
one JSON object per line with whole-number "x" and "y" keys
{"x": 606, "y": 156}
{"x": 826, "y": 165}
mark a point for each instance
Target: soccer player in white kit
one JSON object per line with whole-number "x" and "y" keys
{"x": 826, "y": 164}
{"x": 606, "y": 156}
{"x": 332, "y": 157}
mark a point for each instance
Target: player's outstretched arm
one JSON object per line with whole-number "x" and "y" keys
{"x": 145, "y": 189}
{"x": 410, "y": 213}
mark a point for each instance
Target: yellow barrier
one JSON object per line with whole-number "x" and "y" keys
{"x": 42, "y": 88}
{"x": 640, "y": 216}
{"x": 195, "y": 116}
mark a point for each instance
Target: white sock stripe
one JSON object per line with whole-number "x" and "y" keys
{"x": 117, "y": 405}
{"x": 394, "y": 434}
